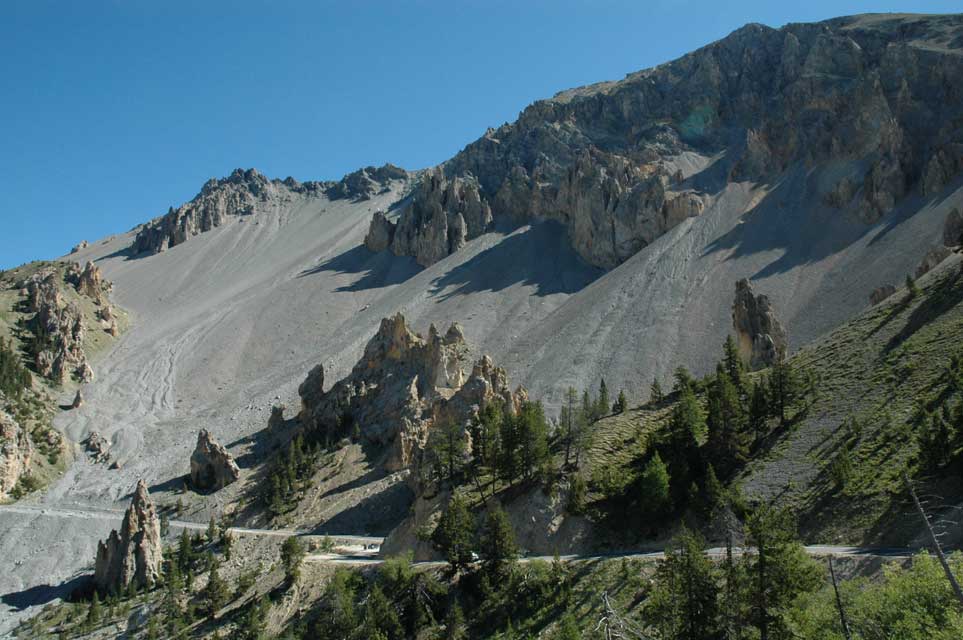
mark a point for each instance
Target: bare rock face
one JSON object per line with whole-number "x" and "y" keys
{"x": 16, "y": 452}
{"x": 239, "y": 194}
{"x": 441, "y": 217}
{"x": 933, "y": 257}
{"x": 60, "y": 329}
{"x": 91, "y": 283}
{"x": 869, "y": 104}
{"x": 761, "y": 339}
{"x": 401, "y": 387}
{"x": 83, "y": 244}
{"x": 380, "y": 233}
{"x": 362, "y": 184}
{"x": 881, "y": 293}
{"x": 212, "y": 467}
{"x": 133, "y": 556}
{"x": 953, "y": 229}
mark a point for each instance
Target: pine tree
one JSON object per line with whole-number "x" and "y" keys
{"x": 726, "y": 422}
{"x": 448, "y": 448}
{"x": 380, "y": 618}
{"x": 509, "y": 438}
{"x": 567, "y": 420}
{"x": 211, "y": 531}
{"x": 683, "y": 380}
{"x": 292, "y": 553}
{"x": 655, "y": 392}
{"x": 759, "y": 410}
{"x": 497, "y": 549}
{"x": 681, "y": 451}
{"x": 216, "y": 592}
{"x": 454, "y": 535}
{"x": 778, "y": 572}
{"x": 602, "y": 407}
{"x": 734, "y": 365}
{"x": 684, "y": 602}
{"x": 567, "y": 628}
{"x": 654, "y": 488}
{"x": 532, "y": 432}
{"x": 911, "y": 289}
{"x": 621, "y": 404}
{"x": 94, "y": 613}
{"x": 782, "y": 389}
{"x": 588, "y": 407}
{"x": 455, "y": 623}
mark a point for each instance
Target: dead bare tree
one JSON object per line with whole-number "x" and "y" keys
{"x": 937, "y": 547}
{"x": 839, "y": 601}
{"x": 614, "y": 626}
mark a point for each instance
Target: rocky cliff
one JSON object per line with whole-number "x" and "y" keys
{"x": 133, "y": 556}
{"x": 58, "y": 329}
{"x": 16, "y": 451}
{"x": 402, "y": 386}
{"x": 366, "y": 182}
{"x": 759, "y": 335}
{"x": 212, "y": 467}
{"x": 869, "y": 104}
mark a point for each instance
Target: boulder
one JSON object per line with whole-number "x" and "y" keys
{"x": 133, "y": 556}
{"x": 97, "y": 447}
{"x": 760, "y": 337}
{"x": 212, "y": 467}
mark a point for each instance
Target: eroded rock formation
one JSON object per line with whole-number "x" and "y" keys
{"x": 239, "y": 194}
{"x": 401, "y": 387}
{"x": 759, "y": 335}
{"x": 442, "y": 216}
{"x": 16, "y": 451}
{"x": 366, "y": 182}
{"x": 212, "y": 467}
{"x": 97, "y": 447}
{"x": 133, "y": 556}
{"x": 866, "y": 104}
{"x": 59, "y": 330}
{"x": 953, "y": 229}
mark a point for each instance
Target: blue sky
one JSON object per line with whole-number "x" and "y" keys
{"x": 111, "y": 111}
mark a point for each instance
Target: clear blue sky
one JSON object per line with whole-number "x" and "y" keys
{"x": 111, "y": 111}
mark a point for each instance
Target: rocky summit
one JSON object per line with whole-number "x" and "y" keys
{"x": 862, "y": 103}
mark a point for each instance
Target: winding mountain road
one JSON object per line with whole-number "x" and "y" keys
{"x": 362, "y": 550}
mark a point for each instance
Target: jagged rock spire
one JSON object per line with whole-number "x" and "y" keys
{"x": 133, "y": 556}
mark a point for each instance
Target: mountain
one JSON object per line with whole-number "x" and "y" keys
{"x": 601, "y": 235}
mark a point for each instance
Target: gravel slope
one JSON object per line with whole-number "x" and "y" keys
{"x": 228, "y": 321}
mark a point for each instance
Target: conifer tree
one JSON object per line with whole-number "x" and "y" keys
{"x": 782, "y": 389}
{"x": 684, "y": 602}
{"x": 216, "y": 592}
{"x": 603, "y": 406}
{"x": 292, "y": 553}
{"x": 734, "y": 365}
{"x": 621, "y": 404}
{"x": 726, "y": 422}
{"x": 567, "y": 420}
{"x": 654, "y": 487}
{"x": 454, "y": 535}
{"x": 655, "y": 391}
{"x": 94, "y": 613}
{"x": 681, "y": 450}
{"x": 759, "y": 410}
{"x": 498, "y": 549}
{"x": 532, "y": 437}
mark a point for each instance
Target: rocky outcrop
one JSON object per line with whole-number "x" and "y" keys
{"x": 97, "y": 447}
{"x": 362, "y": 184}
{"x": 868, "y": 105}
{"x": 761, "y": 339}
{"x": 276, "y": 418}
{"x": 132, "y": 557}
{"x": 381, "y": 232}
{"x": 881, "y": 293}
{"x": 212, "y": 467}
{"x": 16, "y": 452}
{"x": 78, "y": 400}
{"x": 83, "y": 244}
{"x": 239, "y": 194}
{"x": 58, "y": 328}
{"x": 932, "y": 258}
{"x": 953, "y": 229}
{"x": 402, "y": 386}
{"x": 442, "y": 215}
